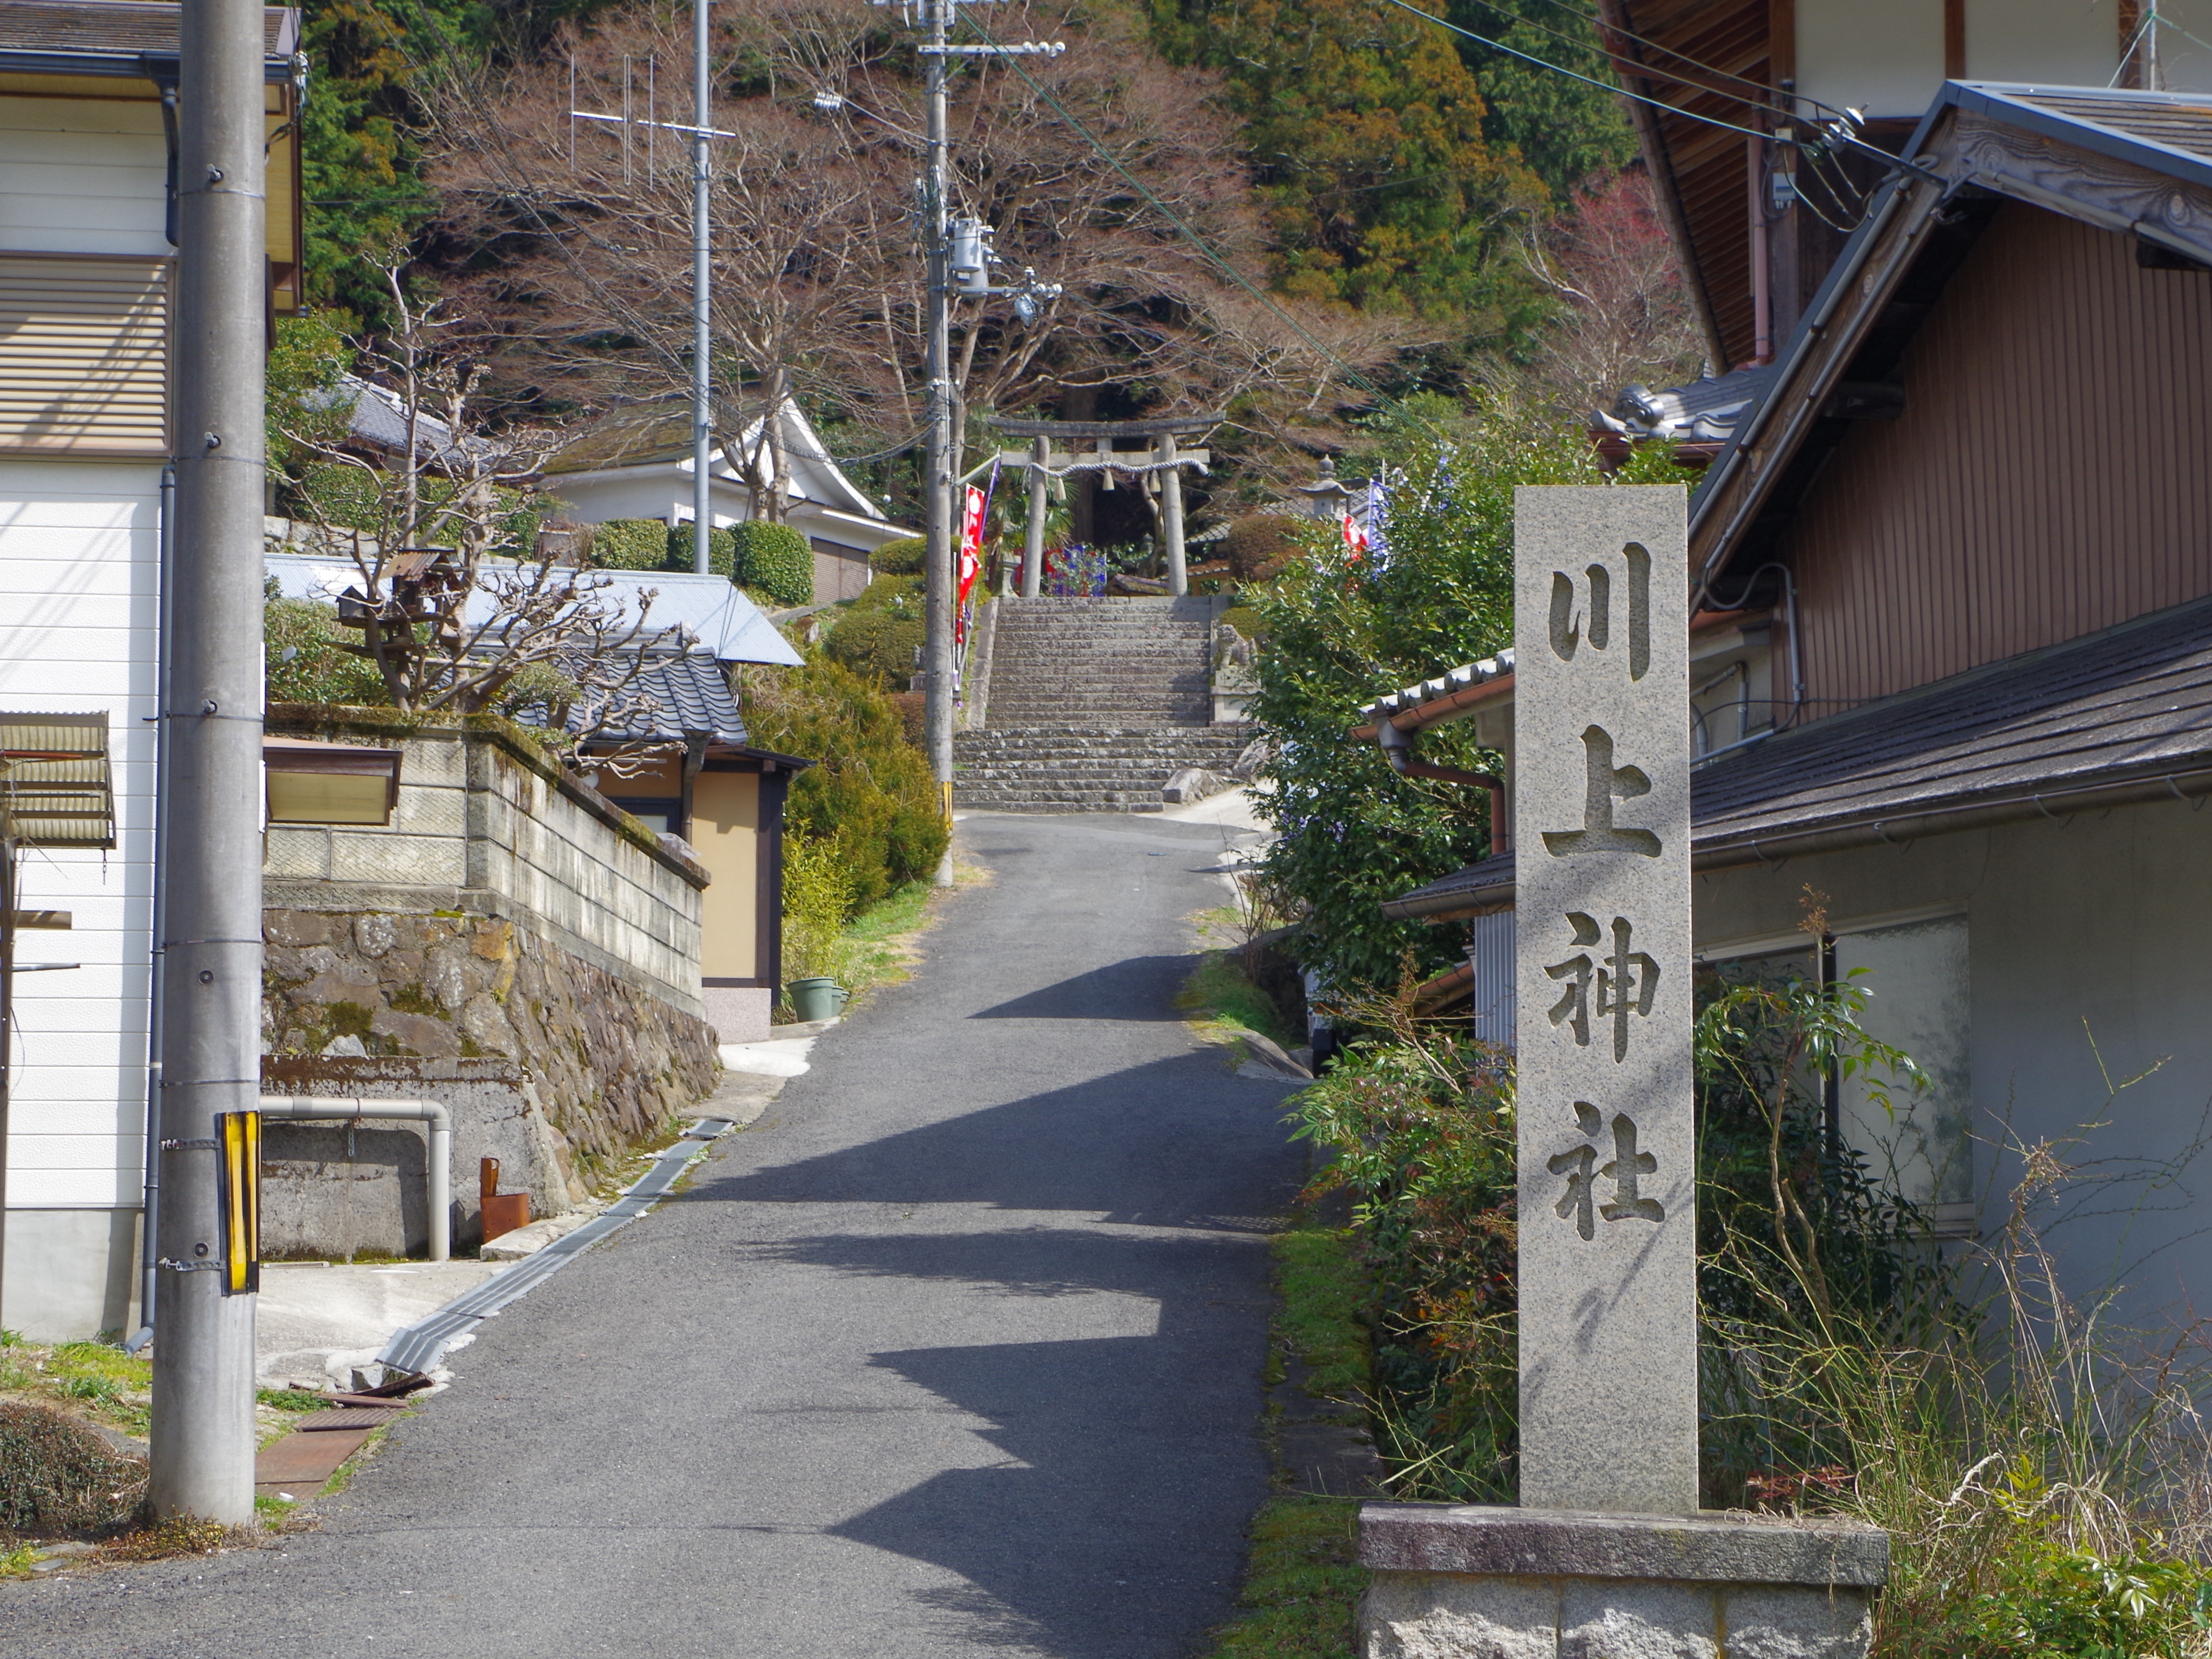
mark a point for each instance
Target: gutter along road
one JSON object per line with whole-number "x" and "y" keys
{"x": 955, "y": 1351}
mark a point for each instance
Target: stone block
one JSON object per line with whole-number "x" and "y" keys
{"x": 1636, "y": 1619}
{"x": 1408, "y": 1615}
{"x": 1773, "y": 1622}
{"x": 1478, "y": 1582}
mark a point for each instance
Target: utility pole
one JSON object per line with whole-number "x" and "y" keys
{"x": 203, "y": 1415}
{"x": 937, "y": 455}
{"x": 702, "y": 388}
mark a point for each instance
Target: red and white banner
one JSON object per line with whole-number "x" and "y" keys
{"x": 971, "y": 557}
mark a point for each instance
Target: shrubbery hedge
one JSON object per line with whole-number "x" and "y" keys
{"x": 878, "y": 645}
{"x": 649, "y": 544}
{"x": 775, "y": 559}
{"x": 870, "y": 791}
{"x": 902, "y": 558}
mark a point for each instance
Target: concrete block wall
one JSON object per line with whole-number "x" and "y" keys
{"x": 485, "y": 825}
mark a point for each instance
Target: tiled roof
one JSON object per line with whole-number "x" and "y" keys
{"x": 1704, "y": 412}
{"x": 2131, "y": 706}
{"x": 688, "y": 697}
{"x": 2132, "y": 699}
{"x": 119, "y": 29}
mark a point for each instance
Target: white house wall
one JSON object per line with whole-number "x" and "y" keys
{"x": 83, "y": 175}
{"x": 78, "y": 557}
{"x": 2084, "y": 957}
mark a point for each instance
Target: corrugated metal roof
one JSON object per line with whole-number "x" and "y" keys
{"x": 2132, "y": 704}
{"x": 727, "y": 624}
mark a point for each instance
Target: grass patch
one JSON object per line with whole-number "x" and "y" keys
{"x": 1323, "y": 1287}
{"x": 342, "y": 1477}
{"x": 1302, "y": 1586}
{"x": 292, "y": 1400}
{"x": 95, "y": 1381}
{"x": 181, "y": 1534}
{"x": 16, "y": 1562}
{"x": 879, "y": 942}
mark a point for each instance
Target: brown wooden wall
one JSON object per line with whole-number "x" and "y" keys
{"x": 2051, "y": 474}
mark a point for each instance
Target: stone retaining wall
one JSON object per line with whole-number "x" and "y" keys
{"x": 513, "y": 946}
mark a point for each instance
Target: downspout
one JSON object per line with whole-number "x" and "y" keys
{"x": 1762, "y": 300}
{"x": 1398, "y": 749}
{"x": 304, "y": 1108}
{"x": 150, "y": 1202}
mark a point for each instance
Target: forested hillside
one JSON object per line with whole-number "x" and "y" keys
{"x": 1293, "y": 208}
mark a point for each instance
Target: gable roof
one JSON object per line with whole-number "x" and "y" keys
{"x": 658, "y": 433}
{"x": 725, "y": 625}
{"x": 2133, "y": 162}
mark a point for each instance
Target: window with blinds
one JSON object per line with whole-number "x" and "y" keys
{"x": 83, "y": 356}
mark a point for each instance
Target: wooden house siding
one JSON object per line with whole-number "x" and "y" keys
{"x": 2047, "y": 477}
{"x": 84, "y": 355}
{"x": 84, "y": 176}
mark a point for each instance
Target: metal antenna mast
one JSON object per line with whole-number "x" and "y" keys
{"x": 703, "y": 276}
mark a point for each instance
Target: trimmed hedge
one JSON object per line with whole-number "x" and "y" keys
{"x": 902, "y": 558}
{"x": 649, "y": 544}
{"x": 775, "y": 559}
{"x": 878, "y": 645}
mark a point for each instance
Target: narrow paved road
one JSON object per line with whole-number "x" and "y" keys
{"x": 955, "y": 1352}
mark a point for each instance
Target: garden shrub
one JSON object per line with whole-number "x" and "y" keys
{"x": 817, "y": 897}
{"x": 721, "y": 552}
{"x": 630, "y": 544}
{"x": 870, "y": 791}
{"x": 56, "y": 1476}
{"x": 776, "y": 560}
{"x": 878, "y": 645}
{"x": 1258, "y": 545}
{"x": 900, "y": 557}
{"x": 649, "y": 544}
{"x": 318, "y": 669}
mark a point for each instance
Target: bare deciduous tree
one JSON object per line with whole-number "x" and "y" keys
{"x": 455, "y": 609}
{"x": 1626, "y": 310}
{"x": 584, "y": 233}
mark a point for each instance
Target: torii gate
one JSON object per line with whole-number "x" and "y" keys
{"x": 1044, "y": 463}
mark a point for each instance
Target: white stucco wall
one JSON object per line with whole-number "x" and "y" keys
{"x": 2084, "y": 960}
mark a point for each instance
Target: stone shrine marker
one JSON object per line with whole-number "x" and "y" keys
{"x": 1607, "y": 1557}
{"x": 1608, "y": 1150}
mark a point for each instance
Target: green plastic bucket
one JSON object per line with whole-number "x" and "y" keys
{"x": 815, "y": 999}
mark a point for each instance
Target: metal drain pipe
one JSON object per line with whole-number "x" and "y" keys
{"x": 305, "y": 1108}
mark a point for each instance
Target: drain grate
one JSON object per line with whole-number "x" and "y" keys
{"x": 419, "y": 1347}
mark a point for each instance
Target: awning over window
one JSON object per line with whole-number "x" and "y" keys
{"x": 330, "y": 782}
{"x": 55, "y": 790}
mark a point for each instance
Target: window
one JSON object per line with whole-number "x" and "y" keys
{"x": 84, "y": 355}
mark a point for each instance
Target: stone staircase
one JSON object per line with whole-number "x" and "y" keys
{"x": 1093, "y": 705}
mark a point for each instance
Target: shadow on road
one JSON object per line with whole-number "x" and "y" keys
{"x": 1138, "y": 988}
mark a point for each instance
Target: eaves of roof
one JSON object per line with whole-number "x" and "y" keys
{"x": 2116, "y": 718}
{"x": 125, "y": 40}
{"x": 1893, "y": 270}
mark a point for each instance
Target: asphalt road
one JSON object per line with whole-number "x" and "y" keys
{"x": 956, "y": 1351}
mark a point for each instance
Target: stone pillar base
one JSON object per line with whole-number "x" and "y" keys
{"x": 1470, "y": 1583}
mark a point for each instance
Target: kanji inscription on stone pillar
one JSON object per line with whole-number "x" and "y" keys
{"x": 1601, "y": 820}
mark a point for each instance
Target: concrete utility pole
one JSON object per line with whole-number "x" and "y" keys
{"x": 937, "y": 456}
{"x": 703, "y": 387}
{"x": 202, "y": 1417}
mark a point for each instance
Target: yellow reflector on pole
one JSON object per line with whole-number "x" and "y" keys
{"x": 239, "y": 1176}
